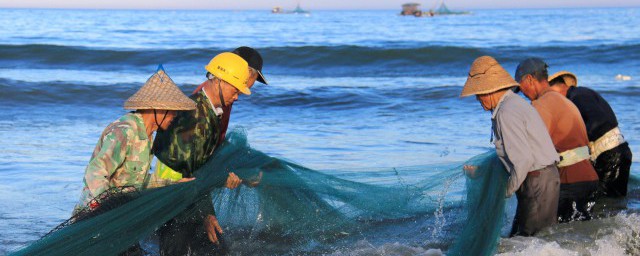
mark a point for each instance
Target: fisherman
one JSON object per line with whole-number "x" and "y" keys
{"x": 610, "y": 153}
{"x": 254, "y": 59}
{"x": 522, "y": 144}
{"x": 190, "y": 142}
{"x": 122, "y": 158}
{"x": 579, "y": 180}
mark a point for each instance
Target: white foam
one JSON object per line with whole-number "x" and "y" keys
{"x": 365, "y": 248}
{"x": 619, "y": 235}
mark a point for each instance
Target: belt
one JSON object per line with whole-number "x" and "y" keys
{"x": 573, "y": 156}
{"x": 537, "y": 173}
{"x": 533, "y": 174}
{"x": 608, "y": 141}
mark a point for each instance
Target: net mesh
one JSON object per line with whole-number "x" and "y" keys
{"x": 295, "y": 209}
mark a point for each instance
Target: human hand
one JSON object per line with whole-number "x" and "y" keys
{"x": 233, "y": 181}
{"x": 470, "y": 170}
{"x": 212, "y": 226}
{"x": 185, "y": 180}
{"x": 254, "y": 182}
{"x": 93, "y": 205}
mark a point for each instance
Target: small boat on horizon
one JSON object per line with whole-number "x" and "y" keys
{"x": 297, "y": 10}
{"x": 412, "y": 9}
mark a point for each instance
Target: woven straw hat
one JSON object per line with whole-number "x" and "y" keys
{"x": 486, "y": 76}
{"x": 160, "y": 92}
{"x": 569, "y": 78}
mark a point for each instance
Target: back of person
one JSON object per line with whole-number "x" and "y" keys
{"x": 568, "y": 131}
{"x": 610, "y": 153}
{"x": 579, "y": 180}
{"x": 595, "y": 111}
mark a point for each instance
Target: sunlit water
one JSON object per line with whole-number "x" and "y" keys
{"x": 348, "y": 91}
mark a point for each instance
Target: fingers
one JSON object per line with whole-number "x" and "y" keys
{"x": 257, "y": 181}
{"x": 218, "y": 228}
{"x": 233, "y": 181}
{"x": 211, "y": 225}
{"x": 469, "y": 167}
{"x": 185, "y": 180}
{"x": 213, "y": 237}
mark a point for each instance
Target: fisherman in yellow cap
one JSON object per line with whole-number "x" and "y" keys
{"x": 522, "y": 144}
{"x": 122, "y": 158}
{"x": 189, "y": 142}
{"x": 610, "y": 153}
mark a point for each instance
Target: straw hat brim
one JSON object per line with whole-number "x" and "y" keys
{"x": 571, "y": 81}
{"x": 160, "y": 92}
{"x": 486, "y": 76}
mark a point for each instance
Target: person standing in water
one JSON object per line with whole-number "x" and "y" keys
{"x": 563, "y": 122}
{"x": 610, "y": 153}
{"x": 189, "y": 142}
{"x": 123, "y": 156}
{"x": 522, "y": 144}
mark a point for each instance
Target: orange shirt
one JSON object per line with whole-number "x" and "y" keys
{"x": 567, "y": 130}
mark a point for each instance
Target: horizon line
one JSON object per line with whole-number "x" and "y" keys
{"x": 322, "y": 9}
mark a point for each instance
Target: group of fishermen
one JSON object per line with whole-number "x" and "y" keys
{"x": 562, "y": 151}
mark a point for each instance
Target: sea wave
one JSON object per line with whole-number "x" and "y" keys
{"x": 339, "y": 60}
{"x": 324, "y": 97}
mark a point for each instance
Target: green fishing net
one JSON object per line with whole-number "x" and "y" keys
{"x": 295, "y": 210}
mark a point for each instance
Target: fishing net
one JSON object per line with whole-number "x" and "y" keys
{"x": 108, "y": 200}
{"x": 294, "y": 209}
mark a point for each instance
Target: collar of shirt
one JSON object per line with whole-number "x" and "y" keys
{"x": 509, "y": 93}
{"x": 216, "y": 110}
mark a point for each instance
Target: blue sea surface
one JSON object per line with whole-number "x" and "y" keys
{"x": 348, "y": 90}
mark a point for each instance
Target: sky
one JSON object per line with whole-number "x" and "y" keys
{"x": 310, "y": 5}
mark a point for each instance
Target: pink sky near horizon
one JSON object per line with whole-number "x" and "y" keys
{"x": 310, "y": 5}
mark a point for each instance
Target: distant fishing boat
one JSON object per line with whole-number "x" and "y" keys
{"x": 297, "y": 10}
{"x": 412, "y": 9}
{"x": 443, "y": 10}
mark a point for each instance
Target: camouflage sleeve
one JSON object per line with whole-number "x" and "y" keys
{"x": 103, "y": 164}
{"x": 173, "y": 146}
{"x": 203, "y": 143}
{"x": 189, "y": 141}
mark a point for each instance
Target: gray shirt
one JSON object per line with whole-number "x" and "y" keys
{"x": 522, "y": 141}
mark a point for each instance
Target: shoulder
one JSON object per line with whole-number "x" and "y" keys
{"x": 551, "y": 99}
{"x": 515, "y": 107}
{"x": 582, "y": 93}
{"x": 583, "y": 89}
{"x": 122, "y": 128}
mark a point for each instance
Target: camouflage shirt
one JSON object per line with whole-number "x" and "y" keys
{"x": 122, "y": 157}
{"x": 190, "y": 139}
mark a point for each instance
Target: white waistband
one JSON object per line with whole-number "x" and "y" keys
{"x": 573, "y": 156}
{"x": 609, "y": 140}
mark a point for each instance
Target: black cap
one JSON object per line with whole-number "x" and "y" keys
{"x": 253, "y": 58}
{"x": 530, "y": 66}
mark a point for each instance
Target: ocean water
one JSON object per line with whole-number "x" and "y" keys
{"x": 349, "y": 90}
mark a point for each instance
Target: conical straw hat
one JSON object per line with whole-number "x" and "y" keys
{"x": 160, "y": 92}
{"x": 569, "y": 78}
{"x": 486, "y": 76}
